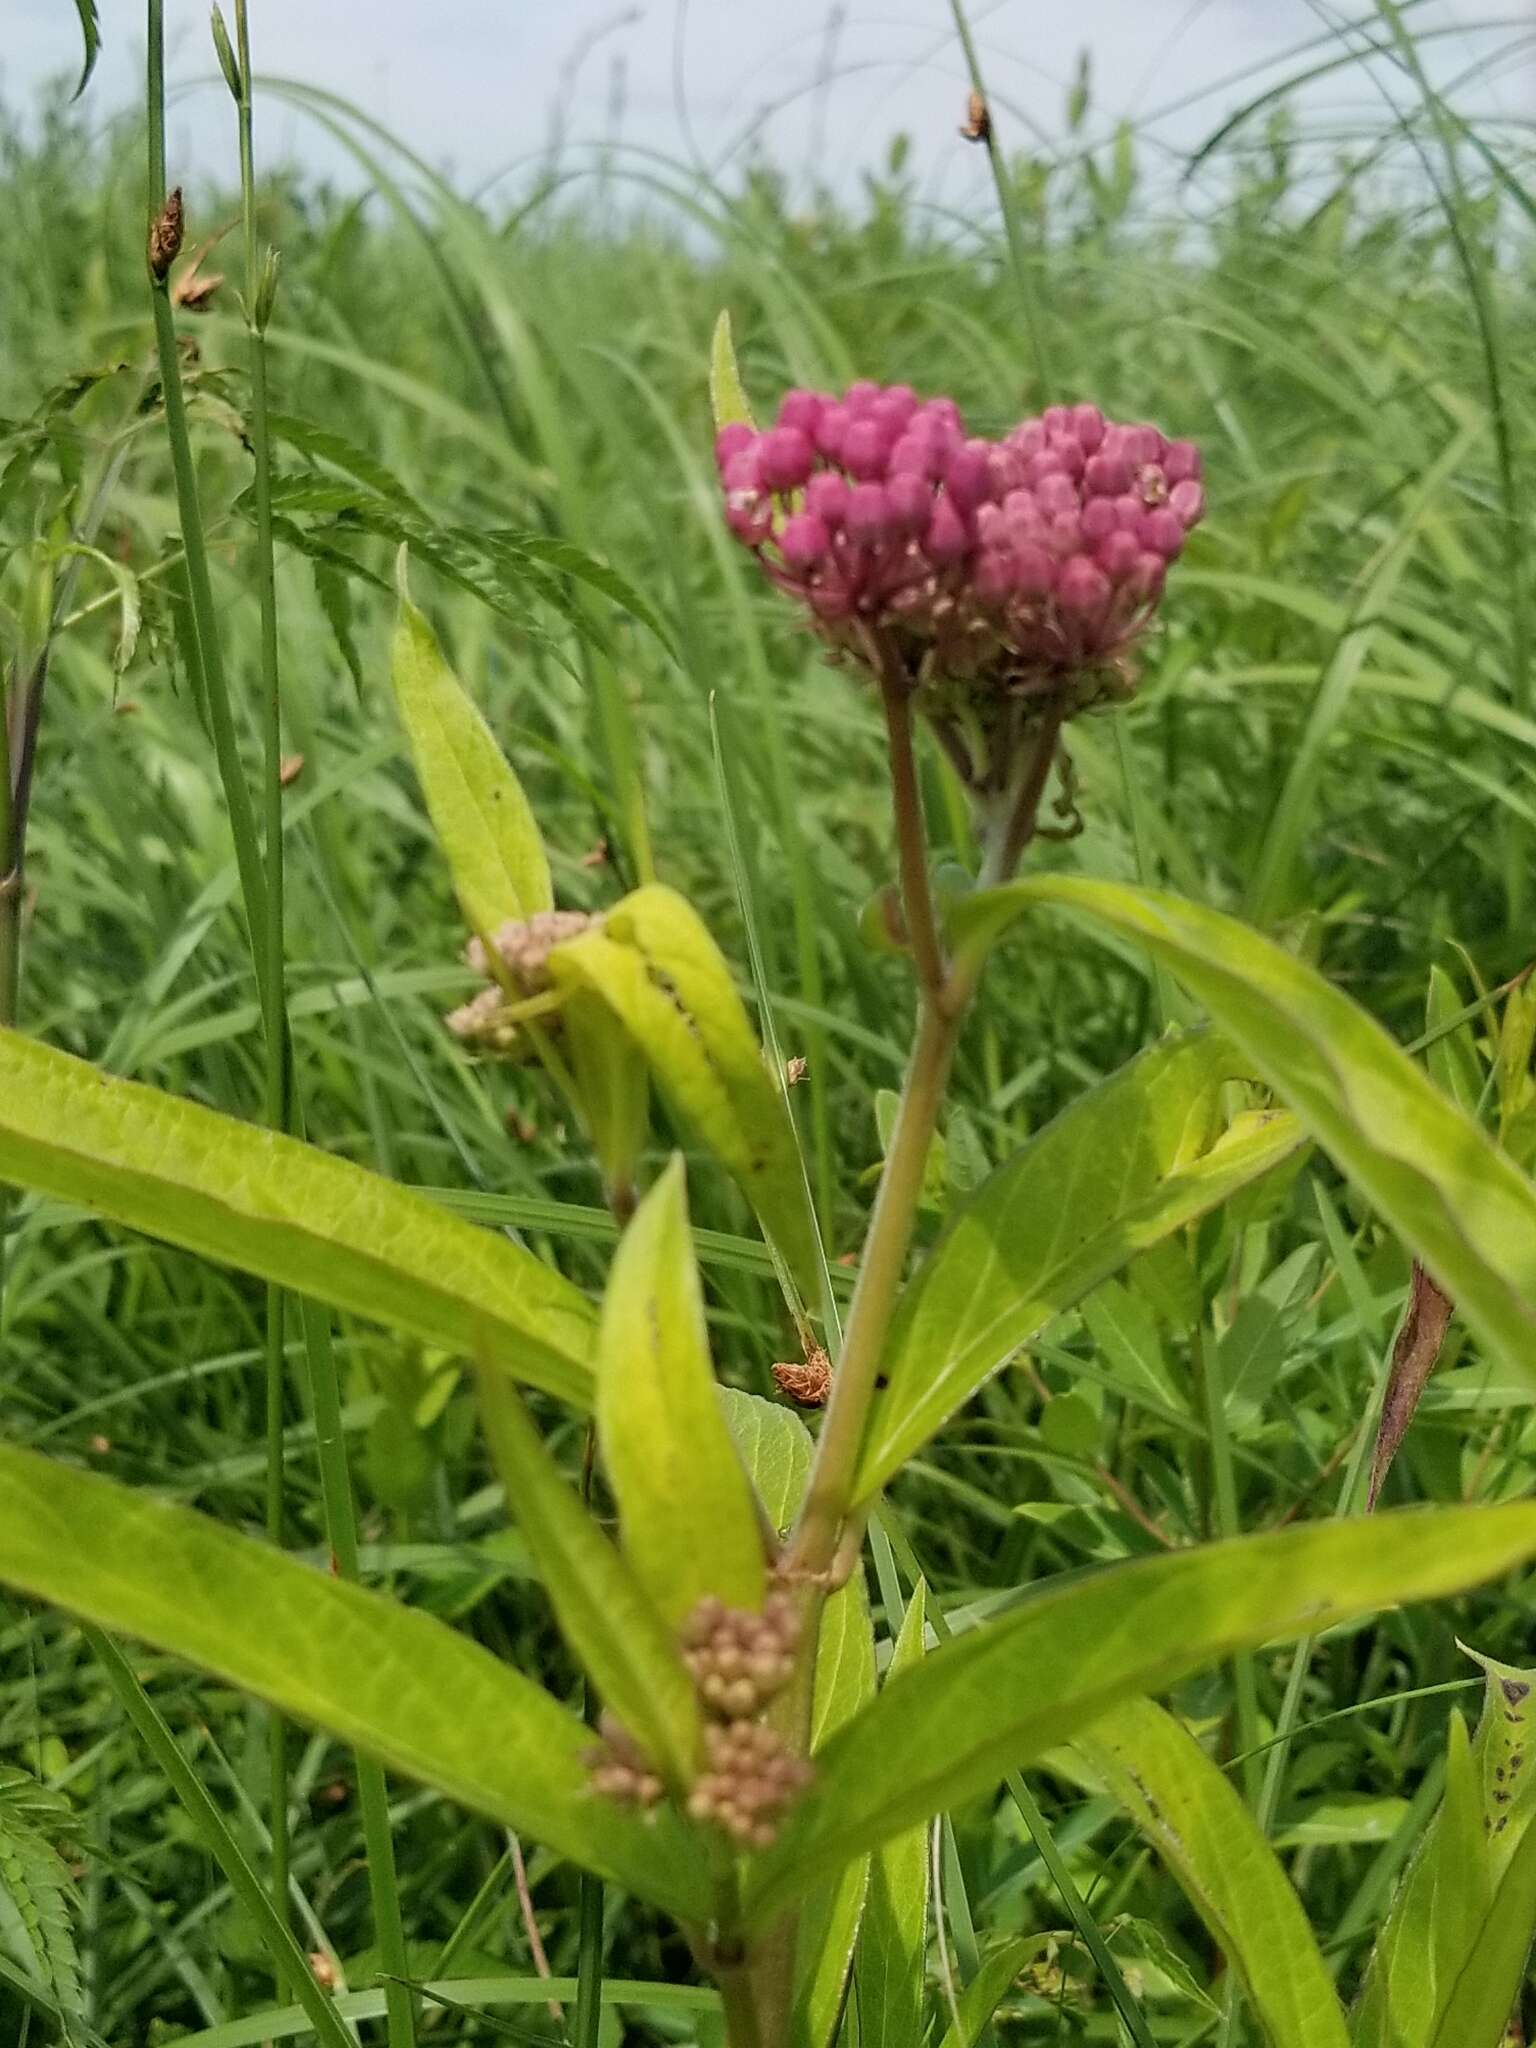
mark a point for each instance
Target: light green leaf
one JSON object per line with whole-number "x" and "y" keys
{"x": 399, "y": 1684}
{"x": 656, "y": 966}
{"x": 1345, "y": 1820}
{"x": 990, "y": 1986}
{"x": 1004, "y": 1692}
{"x": 1189, "y": 1811}
{"x": 1482, "y": 1999}
{"x": 1133, "y": 1159}
{"x": 613, "y": 1088}
{"x": 604, "y": 1612}
{"x": 893, "y": 1943}
{"x": 1440, "y": 1905}
{"x": 1443, "y": 1185}
{"x": 1452, "y": 1057}
{"x": 775, "y": 1447}
{"x": 482, "y": 819}
{"x": 687, "y": 1518}
{"x": 287, "y": 1212}
{"x": 727, "y": 399}
{"x": 1505, "y": 1757}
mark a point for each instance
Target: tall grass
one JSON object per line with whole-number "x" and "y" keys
{"x": 1334, "y": 730}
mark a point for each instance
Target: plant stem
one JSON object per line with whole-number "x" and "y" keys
{"x": 911, "y": 838}
{"x": 1007, "y": 201}
{"x": 275, "y": 1101}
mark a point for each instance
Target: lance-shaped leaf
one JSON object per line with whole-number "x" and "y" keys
{"x": 399, "y": 1684}
{"x": 482, "y": 819}
{"x": 287, "y": 1212}
{"x": 1482, "y": 2000}
{"x": 999, "y": 1695}
{"x": 1190, "y": 1812}
{"x": 1455, "y": 1199}
{"x": 656, "y": 966}
{"x": 1129, "y": 1162}
{"x": 1506, "y": 1757}
{"x": 604, "y": 1612}
{"x": 687, "y": 1517}
{"x": 892, "y": 1954}
{"x": 728, "y": 400}
{"x": 1435, "y": 1917}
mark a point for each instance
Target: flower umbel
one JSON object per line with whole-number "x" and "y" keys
{"x": 980, "y": 572}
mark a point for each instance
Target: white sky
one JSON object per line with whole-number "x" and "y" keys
{"x": 471, "y": 84}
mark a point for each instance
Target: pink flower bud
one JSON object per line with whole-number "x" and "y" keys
{"x": 1027, "y": 440}
{"x": 893, "y": 409}
{"x": 1087, "y": 427}
{"x": 947, "y": 539}
{"x": 1055, "y": 494}
{"x": 733, "y": 439}
{"x": 826, "y": 496}
{"x": 1069, "y": 453}
{"x": 1162, "y": 532}
{"x": 1128, "y": 511}
{"x": 1039, "y": 467}
{"x": 1082, "y": 585}
{"x": 804, "y": 541}
{"x": 1099, "y": 520}
{"x": 1147, "y": 577}
{"x": 864, "y": 449}
{"x": 996, "y": 574}
{"x": 747, "y": 507}
{"x": 968, "y": 479}
{"x": 910, "y": 502}
{"x": 1118, "y": 553}
{"x": 1057, "y": 420}
{"x": 1034, "y": 571}
{"x": 1143, "y": 444}
{"x": 1106, "y": 476}
{"x": 1025, "y": 519}
{"x": 945, "y": 414}
{"x": 1187, "y": 501}
{"x": 801, "y": 409}
{"x": 1064, "y": 535}
{"x": 784, "y": 458}
{"x": 831, "y": 426}
{"x": 869, "y": 515}
{"x": 861, "y": 394}
{"x": 1181, "y": 460}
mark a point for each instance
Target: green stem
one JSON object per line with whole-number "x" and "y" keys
{"x": 275, "y": 1102}
{"x": 1224, "y": 1521}
{"x": 290, "y": 1962}
{"x": 1007, "y": 200}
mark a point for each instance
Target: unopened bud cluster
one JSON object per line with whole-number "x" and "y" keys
{"x": 522, "y": 947}
{"x": 1027, "y": 562}
{"x": 750, "y": 1778}
{"x": 619, "y": 1769}
{"x": 740, "y": 1660}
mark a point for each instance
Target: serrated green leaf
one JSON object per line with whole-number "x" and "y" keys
{"x": 286, "y": 1212}
{"x": 1130, "y": 1161}
{"x": 481, "y": 817}
{"x": 727, "y": 398}
{"x": 1455, "y": 1199}
{"x": 605, "y": 1613}
{"x": 1192, "y": 1815}
{"x": 1434, "y": 1918}
{"x": 35, "y": 1919}
{"x": 656, "y": 966}
{"x": 687, "y": 1519}
{"x": 1004, "y": 1692}
{"x": 893, "y": 1942}
{"x": 406, "y": 1688}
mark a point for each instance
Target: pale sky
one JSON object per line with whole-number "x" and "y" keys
{"x": 472, "y": 85}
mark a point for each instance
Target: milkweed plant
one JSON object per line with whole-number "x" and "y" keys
{"x": 746, "y": 1756}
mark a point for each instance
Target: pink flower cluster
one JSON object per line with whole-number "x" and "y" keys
{"x": 1022, "y": 560}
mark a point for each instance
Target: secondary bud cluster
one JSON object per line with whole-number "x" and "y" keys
{"x": 619, "y": 1769}
{"x": 522, "y": 947}
{"x": 750, "y": 1779}
{"x": 1029, "y": 563}
{"x": 740, "y": 1660}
